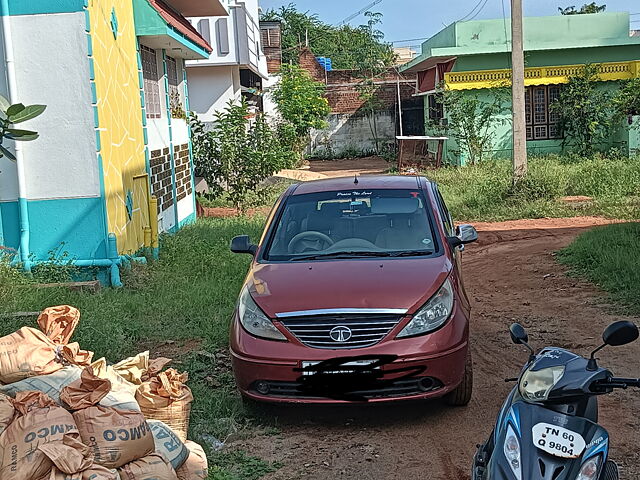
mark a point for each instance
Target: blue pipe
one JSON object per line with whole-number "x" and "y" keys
{"x": 24, "y": 234}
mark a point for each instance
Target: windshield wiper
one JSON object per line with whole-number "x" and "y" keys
{"x": 358, "y": 254}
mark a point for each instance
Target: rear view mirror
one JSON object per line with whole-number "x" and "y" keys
{"x": 518, "y": 334}
{"x": 242, "y": 244}
{"x": 464, "y": 234}
{"x": 620, "y": 333}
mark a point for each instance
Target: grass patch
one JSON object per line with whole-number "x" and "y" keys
{"x": 265, "y": 196}
{"x": 608, "y": 257}
{"x": 187, "y": 296}
{"x": 484, "y": 192}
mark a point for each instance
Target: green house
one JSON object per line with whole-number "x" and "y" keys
{"x": 475, "y": 57}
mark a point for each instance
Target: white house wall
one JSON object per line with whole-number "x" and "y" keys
{"x": 211, "y": 88}
{"x": 8, "y": 173}
{"x": 62, "y": 162}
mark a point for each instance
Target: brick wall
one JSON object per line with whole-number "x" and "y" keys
{"x": 342, "y": 93}
{"x": 161, "y": 178}
{"x": 161, "y": 186}
{"x": 183, "y": 171}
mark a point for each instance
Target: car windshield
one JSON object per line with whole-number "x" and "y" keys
{"x": 351, "y": 224}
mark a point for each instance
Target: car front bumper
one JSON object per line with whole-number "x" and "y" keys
{"x": 426, "y": 366}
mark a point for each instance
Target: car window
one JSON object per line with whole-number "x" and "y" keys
{"x": 380, "y": 222}
{"x": 447, "y": 221}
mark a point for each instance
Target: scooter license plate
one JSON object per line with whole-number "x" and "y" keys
{"x": 558, "y": 441}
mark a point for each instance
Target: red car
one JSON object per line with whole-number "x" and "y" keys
{"x": 355, "y": 294}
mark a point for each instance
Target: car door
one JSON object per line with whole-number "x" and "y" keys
{"x": 450, "y": 230}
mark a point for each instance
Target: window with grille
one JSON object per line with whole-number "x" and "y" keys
{"x": 173, "y": 79}
{"x": 541, "y": 122}
{"x": 436, "y": 108}
{"x": 151, "y": 82}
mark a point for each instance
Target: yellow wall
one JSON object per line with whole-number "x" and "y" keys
{"x": 120, "y": 119}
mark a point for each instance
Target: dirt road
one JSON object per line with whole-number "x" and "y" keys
{"x": 511, "y": 275}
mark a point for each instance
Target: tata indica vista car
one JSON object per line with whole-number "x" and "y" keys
{"x": 355, "y": 294}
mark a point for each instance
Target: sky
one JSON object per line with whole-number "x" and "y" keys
{"x": 408, "y": 22}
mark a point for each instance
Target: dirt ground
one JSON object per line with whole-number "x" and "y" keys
{"x": 511, "y": 275}
{"x": 347, "y": 167}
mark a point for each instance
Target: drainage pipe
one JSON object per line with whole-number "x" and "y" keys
{"x": 23, "y": 210}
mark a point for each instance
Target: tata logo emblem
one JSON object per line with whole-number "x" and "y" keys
{"x": 340, "y": 333}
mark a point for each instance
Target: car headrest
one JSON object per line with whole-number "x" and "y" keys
{"x": 332, "y": 208}
{"x": 394, "y": 206}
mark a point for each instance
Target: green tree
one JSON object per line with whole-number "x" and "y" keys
{"x": 236, "y": 154}
{"x": 345, "y": 44}
{"x": 9, "y": 116}
{"x": 472, "y": 118}
{"x": 627, "y": 99}
{"x": 301, "y": 104}
{"x": 592, "y": 7}
{"x": 585, "y": 116}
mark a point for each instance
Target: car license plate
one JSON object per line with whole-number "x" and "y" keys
{"x": 557, "y": 441}
{"x": 344, "y": 368}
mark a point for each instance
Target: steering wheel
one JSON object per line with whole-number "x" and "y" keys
{"x": 310, "y": 239}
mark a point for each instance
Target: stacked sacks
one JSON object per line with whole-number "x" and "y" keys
{"x": 151, "y": 467}
{"x": 29, "y": 352}
{"x": 115, "y": 436}
{"x": 39, "y": 421}
{"x": 168, "y": 445}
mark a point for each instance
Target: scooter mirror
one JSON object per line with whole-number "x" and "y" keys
{"x": 518, "y": 334}
{"x": 620, "y": 333}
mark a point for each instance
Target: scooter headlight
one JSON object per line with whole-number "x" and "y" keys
{"x": 536, "y": 385}
{"x": 512, "y": 452}
{"x": 590, "y": 469}
{"x": 254, "y": 320}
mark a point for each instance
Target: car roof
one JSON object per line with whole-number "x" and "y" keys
{"x": 398, "y": 182}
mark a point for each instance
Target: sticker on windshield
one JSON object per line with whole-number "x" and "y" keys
{"x": 354, "y": 194}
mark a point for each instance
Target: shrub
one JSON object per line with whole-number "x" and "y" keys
{"x": 237, "y": 154}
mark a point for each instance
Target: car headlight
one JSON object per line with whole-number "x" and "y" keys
{"x": 590, "y": 469}
{"x": 512, "y": 452}
{"x": 434, "y": 313}
{"x": 536, "y": 385}
{"x": 254, "y": 320}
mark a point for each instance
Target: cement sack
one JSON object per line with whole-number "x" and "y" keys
{"x": 29, "y": 352}
{"x": 166, "y": 398}
{"x": 73, "y": 460}
{"x": 196, "y": 467}
{"x": 139, "y": 368}
{"x": 53, "y": 384}
{"x": 118, "y": 383}
{"x": 151, "y": 467}
{"x": 69, "y": 455}
{"x": 168, "y": 445}
{"x": 115, "y": 436}
{"x": 59, "y": 323}
{"x": 39, "y": 421}
{"x": 7, "y": 412}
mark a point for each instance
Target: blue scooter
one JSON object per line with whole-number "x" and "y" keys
{"x": 548, "y": 427}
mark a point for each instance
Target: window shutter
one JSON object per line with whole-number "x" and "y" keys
{"x": 222, "y": 35}
{"x": 204, "y": 30}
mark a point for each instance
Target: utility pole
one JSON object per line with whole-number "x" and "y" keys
{"x": 517, "y": 93}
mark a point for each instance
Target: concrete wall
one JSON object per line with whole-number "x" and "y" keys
{"x": 352, "y": 133}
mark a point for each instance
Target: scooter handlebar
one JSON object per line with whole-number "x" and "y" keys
{"x": 617, "y": 382}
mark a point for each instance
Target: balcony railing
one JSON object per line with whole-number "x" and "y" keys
{"x": 539, "y": 75}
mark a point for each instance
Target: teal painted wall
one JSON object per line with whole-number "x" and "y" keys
{"x": 76, "y": 223}
{"x": 548, "y": 58}
{"x": 621, "y": 137}
{"x": 34, "y": 7}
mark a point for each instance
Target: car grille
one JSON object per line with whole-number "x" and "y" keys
{"x": 398, "y": 388}
{"x": 366, "y": 330}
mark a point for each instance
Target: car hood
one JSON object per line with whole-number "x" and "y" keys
{"x": 364, "y": 283}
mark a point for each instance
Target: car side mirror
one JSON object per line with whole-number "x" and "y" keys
{"x": 620, "y": 333}
{"x": 518, "y": 334}
{"x": 464, "y": 234}
{"x": 242, "y": 244}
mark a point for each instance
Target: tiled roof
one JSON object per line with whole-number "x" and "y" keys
{"x": 179, "y": 23}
